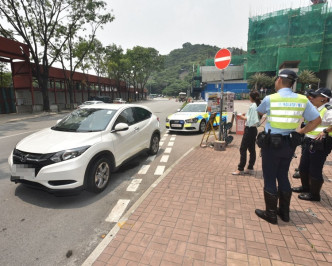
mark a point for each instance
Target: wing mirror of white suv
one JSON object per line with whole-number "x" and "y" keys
{"x": 120, "y": 127}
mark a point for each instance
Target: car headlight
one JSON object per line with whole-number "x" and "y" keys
{"x": 192, "y": 120}
{"x": 68, "y": 154}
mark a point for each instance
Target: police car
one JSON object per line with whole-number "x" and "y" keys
{"x": 193, "y": 117}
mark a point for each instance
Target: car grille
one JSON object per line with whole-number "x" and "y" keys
{"x": 176, "y": 124}
{"x": 33, "y": 160}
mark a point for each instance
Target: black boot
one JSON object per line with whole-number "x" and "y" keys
{"x": 314, "y": 194}
{"x": 270, "y": 214}
{"x": 284, "y": 202}
{"x": 305, "y": 184}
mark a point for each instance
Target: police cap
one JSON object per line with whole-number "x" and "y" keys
{"x": 286, "y": 73}
{"x": 324, "y": 92}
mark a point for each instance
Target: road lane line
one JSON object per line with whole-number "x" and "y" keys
{"x": 134, "y": 185}
{"x": 164, "y": 159}
{"x": 170, "y": 143}
{"x": 151, "y": 158}
{"x": 168, "y": 150}
{"x": 172, "y": 139}
{"x": 117, "y": 211}
{"x": 161, "y": 143}
{"x": 159, "y": 170}
{"x": 144, "y": 169}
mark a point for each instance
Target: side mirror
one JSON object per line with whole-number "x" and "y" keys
{"x": 58, "y": 121}
{"x": 120, "y": 127}
{"x": 178, "y": 110}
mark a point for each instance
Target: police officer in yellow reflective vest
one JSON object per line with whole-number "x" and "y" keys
{"x": 316, "y": 147}
{"x": 278, "y": 142}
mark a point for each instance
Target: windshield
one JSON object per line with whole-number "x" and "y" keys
{"x": 194, "y": 108}
{"x": 85, "y": 120}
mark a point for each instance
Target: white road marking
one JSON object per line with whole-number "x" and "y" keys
{"x": 168, "y": 150}
{"x": 170, "y": 143}
{"x": 163, "y": 139}
{"x": 160, "y": 170}
{"x": 172, "y": 139}
{"x": 134, "y": 185}
{"x": 164, "y": 159}
{"x": 161, "y": 143}
{"x": 144, "y": 169}
{"x": 151, "y": 158}
{"x": 117, "y": 211}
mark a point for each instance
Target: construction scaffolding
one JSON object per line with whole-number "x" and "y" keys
{"x": 301, "y": 36}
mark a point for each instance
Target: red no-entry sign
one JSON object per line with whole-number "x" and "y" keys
{"x": 222, "y": 58}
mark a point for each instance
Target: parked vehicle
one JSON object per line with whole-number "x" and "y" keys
{"x": 89, "y": 103}
{"x": 182, "y": 97}
{"x": 105, "y": 99}
{"x": 192, "y": 117}
{"x": 119, "y": 100}
{"x": 82, "y": 149}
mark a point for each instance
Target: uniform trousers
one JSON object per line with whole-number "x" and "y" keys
{"x": 275, "y": 165}
{"x": 312, "y": 162}
{"x": 248, "y": 143}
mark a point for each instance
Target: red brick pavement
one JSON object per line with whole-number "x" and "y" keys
{"x": 200, "y": 214}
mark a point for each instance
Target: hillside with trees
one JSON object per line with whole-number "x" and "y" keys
{"x": 180, "y": 65}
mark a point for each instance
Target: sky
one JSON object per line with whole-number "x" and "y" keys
{"x": 167, "y": 24}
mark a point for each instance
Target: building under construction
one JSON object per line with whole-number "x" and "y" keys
{"x": 292, "y": 38}
{"x": 298, "y": 39}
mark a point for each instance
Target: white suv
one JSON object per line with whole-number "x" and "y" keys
{"x": 82, "y": 149}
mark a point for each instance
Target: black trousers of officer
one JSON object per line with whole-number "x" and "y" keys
{"x": 275, "y": 165}
{"x": 248, "y": 143}
{"x": 312, "y": 162}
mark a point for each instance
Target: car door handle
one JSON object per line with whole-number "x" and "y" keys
{"x": 136, "y": 128}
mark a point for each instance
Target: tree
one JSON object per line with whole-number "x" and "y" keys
{"x": 259, "y": 80}
{"x": 46, "y": 26}
{"x": 143, "y": 62}
{"x": 96, "y": 59}
{"x": 307, "y": 77}
{"x": 5, "y": 76}
{"x": 117, "y": 64}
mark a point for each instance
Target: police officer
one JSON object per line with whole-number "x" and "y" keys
{"x": 308, "y": 94}
{"x": 316, "y": 147}
{"x": 284, "y": 110}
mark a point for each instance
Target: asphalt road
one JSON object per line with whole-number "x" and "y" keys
{"x": 37, "y": 228}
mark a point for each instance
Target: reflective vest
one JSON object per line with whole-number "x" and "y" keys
{"x": 320, "y": 128}
{"x": 286, "y": 113}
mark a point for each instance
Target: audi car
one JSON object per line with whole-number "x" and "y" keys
{"x": 193, "y": 117}
{"x": 84, "y": 148}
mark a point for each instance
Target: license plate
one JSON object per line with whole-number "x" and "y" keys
{"x": 176, "y": 125}
{"x": 23, "y": 171}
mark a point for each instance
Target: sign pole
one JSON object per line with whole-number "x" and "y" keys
{"x": 221, "y": 128}
{"x": 221, "y": 60}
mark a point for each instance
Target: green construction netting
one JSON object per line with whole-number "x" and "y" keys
{"x": 302, "y": 35}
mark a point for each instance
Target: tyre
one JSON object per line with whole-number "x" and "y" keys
{"x": 99, "y": 174}
{"x": 202, "y": 126}
{"x": 154, "y": 144}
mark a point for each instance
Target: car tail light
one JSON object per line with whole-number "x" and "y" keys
{"x": 158, "y": 119}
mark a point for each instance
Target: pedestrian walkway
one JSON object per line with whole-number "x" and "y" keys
{"x": 201, "y": 214}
